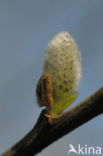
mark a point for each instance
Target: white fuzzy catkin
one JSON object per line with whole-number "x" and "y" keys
{"x": 63, "y": 62}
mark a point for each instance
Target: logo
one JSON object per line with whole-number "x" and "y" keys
{"x": 85, "y": 150}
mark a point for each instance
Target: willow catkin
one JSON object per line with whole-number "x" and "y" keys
{"x": 63, "y": 62}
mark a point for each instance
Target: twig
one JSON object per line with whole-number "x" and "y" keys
{"x": 46, "y": 132}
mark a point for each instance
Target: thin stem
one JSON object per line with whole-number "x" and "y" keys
{"x": 49, "y": 129}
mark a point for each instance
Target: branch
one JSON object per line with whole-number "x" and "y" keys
{"x": 49, "y": 129}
